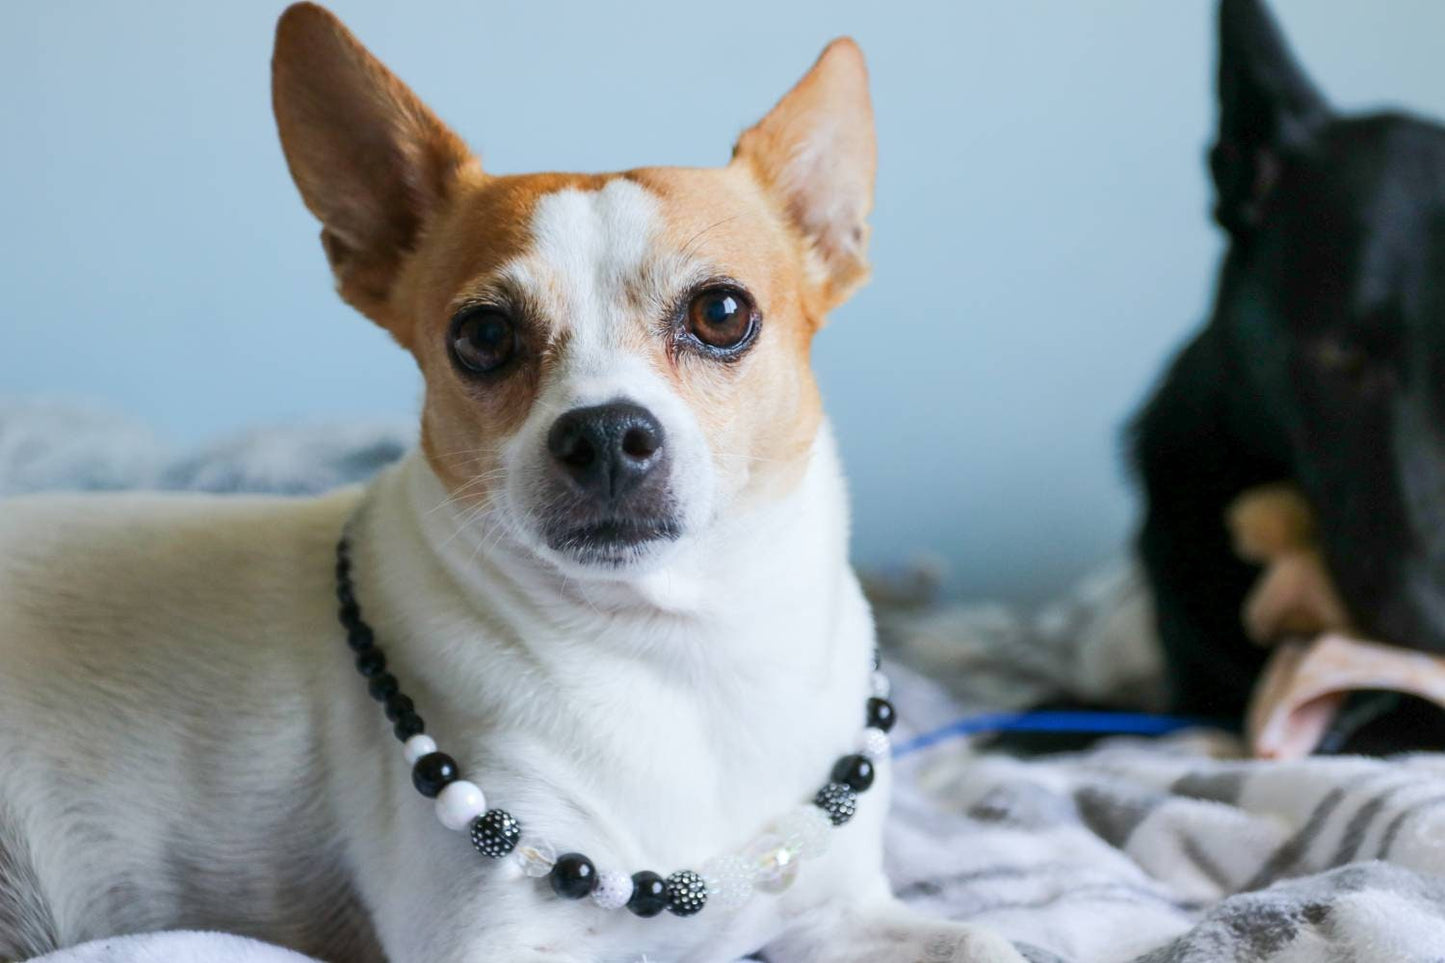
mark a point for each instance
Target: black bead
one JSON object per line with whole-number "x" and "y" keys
{"x": 881, "y": 714}
{"x": 686, "y": 893}
{"x": 382, "y": 687}
{"x": 343, "y": 568}
{"x": 495, "y": 833}
{"x": 855, "y": 772}
{"x": 433, "y": 772}
{"x": 398, "y": 705}
{"x": 344, "y": 593}
{"x": 360, "y": 637}
{"x": 573, "y": 876}
{"x": 371, "y": 663}
{"x": 838, "y": 801}
{"x": 350, "y": 615}
{"x": 408, "y": 724}
{"x": 649, "y": 894}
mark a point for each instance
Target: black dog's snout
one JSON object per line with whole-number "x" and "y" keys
{"x": 606, "y": 449}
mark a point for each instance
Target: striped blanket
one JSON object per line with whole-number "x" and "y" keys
{"x": 1171, "y": 850}
{"x": 1149, "y": 851}
{"x": 1159, "y": 854}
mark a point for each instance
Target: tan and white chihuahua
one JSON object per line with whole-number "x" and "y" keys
{"x": 614, "y": 577}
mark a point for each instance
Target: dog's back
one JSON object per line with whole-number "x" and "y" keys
{"x": 115, "y": 745}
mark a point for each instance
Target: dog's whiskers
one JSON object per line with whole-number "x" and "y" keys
{"x": 689, "y": 247}
{"x": 468, "y": 491}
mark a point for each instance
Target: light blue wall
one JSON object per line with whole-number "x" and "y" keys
{"x": 1040, "y": 237}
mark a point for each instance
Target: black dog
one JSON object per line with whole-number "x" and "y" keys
{"x": 1323, "y": 363}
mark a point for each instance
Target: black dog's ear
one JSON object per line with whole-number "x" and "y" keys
{"x": 1266, "y": 107}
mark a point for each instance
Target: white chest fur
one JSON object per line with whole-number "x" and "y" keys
{"x": 651, "y": 724}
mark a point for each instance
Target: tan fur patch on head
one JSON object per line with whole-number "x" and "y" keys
{"x": 761, "y": 414}
{"x": 464, "y": 419}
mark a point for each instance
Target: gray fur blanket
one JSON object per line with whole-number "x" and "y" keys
{"x": 1166, "y": 851}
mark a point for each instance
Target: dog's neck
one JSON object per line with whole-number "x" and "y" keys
{"x": 720, "y": 604}
{"x": 742, "y": 663}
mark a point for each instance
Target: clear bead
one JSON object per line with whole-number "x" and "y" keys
{"x": 729, "y": 881}
{"x": 875, "y": 744}
{"x": 535, "y": 856}
{"x": 613, "y": 890}
{"x": 880, "y": 685}
{"x": 806, "y": 831}
{"x": 773, "y": 862}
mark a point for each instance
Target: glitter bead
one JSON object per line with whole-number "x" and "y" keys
{"x": 535, "y": 856}
{"x": 686, "y": 893}
{"x": 838, "y": 801}
{"x": 613, "y": 890}
{"x": 807, "y": 831}
{"x": 495, "y": 833}
{"x": 880, "y": 685}
{"x": 729, "y": 881}
{"x": 773, "y": 863}
{"x": 875, "y": 744}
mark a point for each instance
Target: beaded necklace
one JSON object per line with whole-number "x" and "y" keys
{"x": 769, "y": 864}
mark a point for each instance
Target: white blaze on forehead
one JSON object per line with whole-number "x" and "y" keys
{"x": 597, "y": 269}
{"x": 588, "y": 247}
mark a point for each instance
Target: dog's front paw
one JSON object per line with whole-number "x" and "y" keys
{"x": 962, "y": 944}
{"x": 893, "y": 938}
{"x": 946, "y": 943}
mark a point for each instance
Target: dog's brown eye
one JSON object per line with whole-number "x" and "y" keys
{"x": 1342, "y": 359}
{"x": 721, "y": 317}
{"x": 483, "y": 339}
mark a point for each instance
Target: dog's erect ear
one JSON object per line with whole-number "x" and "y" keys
{"x": 1267, "y": 106}
{"x": 816, "y": 154}
{"x": 371, "y": 161}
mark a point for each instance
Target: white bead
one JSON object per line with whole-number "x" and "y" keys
{"x": 806, "y": 830}
{"x": 774, "y": 863}
{"x": 881, "y": 685}
{"x": 416, "y": 747}
{"x": 459, "y": 803}
{"x": 875, "y": 744}
{"x": 729, "y": 882}
{"x": 613, "y": 890}
{"x": 536, "y": 856}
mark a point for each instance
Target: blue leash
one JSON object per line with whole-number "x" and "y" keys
{"x": 1106, "y": 723}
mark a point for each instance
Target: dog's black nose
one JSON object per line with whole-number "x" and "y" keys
{"x": 606, "y": 449}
